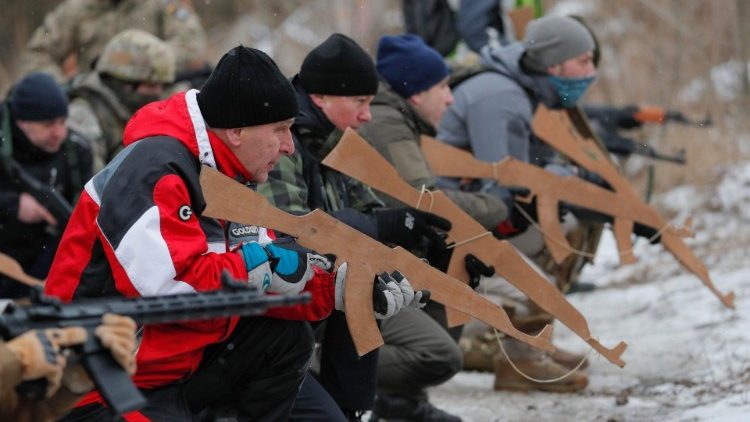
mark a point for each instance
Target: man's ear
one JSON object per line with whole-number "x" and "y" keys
{"x": 554, "y": 70}
{"x": 233, "y": 136}
{"x": 415, "y": 99}
{"x": 318, "y": 100}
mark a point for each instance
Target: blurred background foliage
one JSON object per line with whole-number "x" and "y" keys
{"x": 689, "y": 55}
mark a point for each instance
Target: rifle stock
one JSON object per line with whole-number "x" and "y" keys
{"x": 11, "y": 268}
{"x": 231, "y": 201}
{"x": 357, "y": 159}
{"x": 115, "y": 386}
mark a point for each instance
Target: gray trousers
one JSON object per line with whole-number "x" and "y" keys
{"x": 417, "y": 353}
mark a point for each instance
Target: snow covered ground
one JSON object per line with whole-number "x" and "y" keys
{"x": 688, "y": 357}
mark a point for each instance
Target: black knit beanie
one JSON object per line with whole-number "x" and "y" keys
{"x": 246, "y": 89}
{"x": 339, "y": 66}
{"x": 38, "y": 97}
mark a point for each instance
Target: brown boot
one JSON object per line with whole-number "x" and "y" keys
{"x": 535, "y": 364}
{"x": 479, "y": 352}
{"x": 569, "y": 359}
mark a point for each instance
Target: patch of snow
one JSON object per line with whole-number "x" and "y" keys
{"x": 572, "y": 7}
{"x": 688, "y": 357}
{"x": 725, "y": 79}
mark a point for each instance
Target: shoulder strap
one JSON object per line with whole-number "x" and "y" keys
{"x": 73, "y": 168}
{"x": 460, "y": 74}
{"x": 6, "y": 140}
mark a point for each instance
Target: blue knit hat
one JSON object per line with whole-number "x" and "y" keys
{"x": 38, "y": 97}
{"x": 409, "y": 65}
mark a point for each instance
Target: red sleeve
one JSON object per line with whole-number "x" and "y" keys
{"x": 322, "y": 288}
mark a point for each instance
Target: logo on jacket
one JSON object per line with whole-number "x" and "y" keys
{"x": 184, "y": 213}
{"x": 245, "y": 231}
{"x": 409, "y": 221}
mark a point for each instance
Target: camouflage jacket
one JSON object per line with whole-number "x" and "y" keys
{"x": 97, "y": 113}
{"x": 84, "y": 27}
{"x": 395, "y": 130}
{"x": 300, "y": 184}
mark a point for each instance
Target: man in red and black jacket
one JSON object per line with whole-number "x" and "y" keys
{"x": 138, "y": 230}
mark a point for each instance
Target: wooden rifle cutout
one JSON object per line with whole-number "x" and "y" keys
{"x": 231, "y": 201}
{"x": 568, "y": 133}
{"x": 548, "y": 188}
{"x": 11, "y": 268}
{"x": 354, "y": 157}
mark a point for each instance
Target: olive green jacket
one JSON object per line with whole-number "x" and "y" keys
{"x": 395, "y": 130}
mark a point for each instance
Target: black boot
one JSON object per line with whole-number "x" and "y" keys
{"x": 394, "y": 408}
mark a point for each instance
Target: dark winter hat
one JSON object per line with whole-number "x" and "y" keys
{"x": 38, "y": 97}
{"x": 246, "y": 89}
{"x": 339, "y": 67}
{"x": 552, "y": 40}
{"x": 409, "y": 65}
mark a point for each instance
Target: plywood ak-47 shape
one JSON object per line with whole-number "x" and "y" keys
{"x": 623, "y": 204}
{"x": 354, "y": 157}
{"x": 231, "y": 201}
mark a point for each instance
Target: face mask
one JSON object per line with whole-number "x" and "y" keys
{"x": 134, "y": 101}
{"x": 570, "y": 90}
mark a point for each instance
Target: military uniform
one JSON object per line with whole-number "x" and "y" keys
{"x": 83, "y": 27}
{"x": 97, "y": 113}
{"x": 102, "y": 101}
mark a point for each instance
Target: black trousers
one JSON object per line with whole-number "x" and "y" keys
{"x": 257, "y": 371}
{"x": 348, "y": 378}
{"x": 314, "y": 404}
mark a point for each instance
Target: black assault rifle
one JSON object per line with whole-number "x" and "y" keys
{"x": 46, "y": 195}
{"x": 114, "y": 384}
{"x": 608, "y": 120}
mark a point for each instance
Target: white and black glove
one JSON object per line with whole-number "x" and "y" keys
{"x": 282, "y": 267}
{"x": 391, "y": 292}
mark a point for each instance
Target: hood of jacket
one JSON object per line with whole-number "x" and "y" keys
{"x": 173, "y": 118}
{"x": 506, "y": 60}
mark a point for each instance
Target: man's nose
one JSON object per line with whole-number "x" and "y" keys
{"x": 365, "y": 116}
{"x": 287, "y": 144}
{"x": 61, "y": 131}
{"x": 448, "y": 98}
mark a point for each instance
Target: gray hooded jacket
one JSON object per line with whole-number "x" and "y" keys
{"x": 492, "y": 111}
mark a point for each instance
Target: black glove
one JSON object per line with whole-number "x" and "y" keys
{"x": 476, "y": 269}
{"x": 649, "y": 233}
{"x": 517, "y": 222}
{"x": 594, "y": 178}
{"x": 639, "y": 229}
{"x": 408, "y": 228}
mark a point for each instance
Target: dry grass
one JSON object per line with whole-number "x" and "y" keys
{"x": 652, "y": 49}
